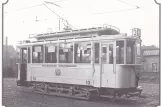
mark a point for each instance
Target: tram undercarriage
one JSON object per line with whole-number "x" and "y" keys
{"x": 81, "y": 92}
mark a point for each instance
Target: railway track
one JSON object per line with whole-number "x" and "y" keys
{"x": 14, "y": 96}
{"x": 102, "y": 98}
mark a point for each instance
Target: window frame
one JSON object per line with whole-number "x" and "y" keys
{"x": 120, "y": 52}
{"x": 94, "y": 52}
{"x": 46, "y": 51}
{"x": 42, "y": 51}
{"x": 108, "y": 58}
{"x": 58, "y": 53}
{"x": 29, "y": 54}
{"x": 22, "y": 55}
{"x": 132, "y": 53}
{"x": 91, "y": 54}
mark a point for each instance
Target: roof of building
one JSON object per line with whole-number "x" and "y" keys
{"x": 151, "y": 52}
{"x": 152, "y": 47}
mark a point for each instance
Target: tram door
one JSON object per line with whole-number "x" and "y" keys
{"x": 108, "y": 63}
{"x": 23, "y": 65}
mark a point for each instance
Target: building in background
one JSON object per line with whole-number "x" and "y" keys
{"x": 150, "y": 58}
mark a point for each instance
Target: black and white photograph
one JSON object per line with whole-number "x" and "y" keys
{"x": 81, "y": 53}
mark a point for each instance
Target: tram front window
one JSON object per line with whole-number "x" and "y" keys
{"x": 130, "y": 52}
{"x": 119, "y": 52}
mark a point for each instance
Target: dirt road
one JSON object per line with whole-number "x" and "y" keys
{"x": 14, "y": 96}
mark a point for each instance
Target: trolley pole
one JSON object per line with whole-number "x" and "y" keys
{"x": 158, "y": 2}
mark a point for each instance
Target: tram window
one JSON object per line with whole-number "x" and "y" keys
{"x": 24, "y": 55}
{"x": 111, "y": 53}
{"x": 66, "y": 53}
{"x": 138, "y": 49}
{"x": 51, "y": 53}
{"x": 119, "y": 52}
{"x": 130, "y": 53}
{"x": 104, "y": 53}
{"x": 97, "y": 52}
{"x": 83, "y": 52}
{"x": 107, "y": 53}
{"x": 37, "y": 54}
{"x": 104, "y": 50}
{"x": 29, "y": 54}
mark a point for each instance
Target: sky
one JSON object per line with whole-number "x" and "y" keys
{"x": 20, "y": 17}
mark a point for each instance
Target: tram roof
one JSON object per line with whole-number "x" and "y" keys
{"x": 98, "y": 38}
{"x": 108, "y": 30}
{"x": 100, "y": 33}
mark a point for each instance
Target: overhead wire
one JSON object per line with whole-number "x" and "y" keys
{"x": 115, "y": 11}
{"x": 127, "y": 3}
{"x": 48, "y": 8}
{"x": 33, "y": 6}
{"x": 25, "y": 8}
{"x": 136, "y": 7}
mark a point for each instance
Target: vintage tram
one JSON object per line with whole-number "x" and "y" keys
{"x": 84, "y": 63}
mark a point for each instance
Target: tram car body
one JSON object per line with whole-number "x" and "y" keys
{"x": 81, "y": 63}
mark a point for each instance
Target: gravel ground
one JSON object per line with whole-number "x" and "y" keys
{"x": 14, "y": 96}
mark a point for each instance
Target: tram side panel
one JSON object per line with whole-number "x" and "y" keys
{"x": 28, "y": 72}
{"x": 80, "y": 75}
{"x": 97, "y": 76}
{"x": 108, "y": 76}
{"x": 125, "y": 76}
